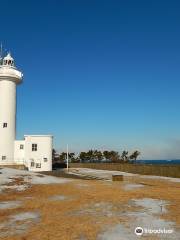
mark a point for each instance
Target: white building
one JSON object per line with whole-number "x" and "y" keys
{"x": 35, "y": 151}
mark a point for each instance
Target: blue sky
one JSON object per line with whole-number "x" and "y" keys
{"x": 98, "y": 74}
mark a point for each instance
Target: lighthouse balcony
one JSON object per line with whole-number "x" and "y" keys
{"x": 11, "y": 74}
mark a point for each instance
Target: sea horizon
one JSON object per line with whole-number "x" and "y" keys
{"x": 159, "y": 161}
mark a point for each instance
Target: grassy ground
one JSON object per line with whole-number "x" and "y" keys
{"x": 170, "y": 170}
{"x": 83, "y": 213}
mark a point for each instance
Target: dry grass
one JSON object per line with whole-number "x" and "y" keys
{"x": 62, "y": 219}
{"x": 171, "y": 170}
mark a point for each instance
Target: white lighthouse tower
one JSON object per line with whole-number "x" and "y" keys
{"x": 9, "y": 78}
{"x": 34, "y": 152}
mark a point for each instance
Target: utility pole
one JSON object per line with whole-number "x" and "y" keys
{"x": 67, "y": 158}
{"x": 1, "y": 54}
{"x": 1, "y": 50}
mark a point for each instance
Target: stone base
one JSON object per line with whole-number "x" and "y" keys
{"x": 117, "y": 177}
{"x": 20, "y": 166}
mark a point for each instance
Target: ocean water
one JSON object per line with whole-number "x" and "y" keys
{"x": 169, "y": 162}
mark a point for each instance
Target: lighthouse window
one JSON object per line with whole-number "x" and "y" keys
{"x": 3, "y": 157}
{"x": 45, "y": 159}
{"x": 4, "y": 125}
{"x": 34, "y": 147}
{"x": 21, "y": 146}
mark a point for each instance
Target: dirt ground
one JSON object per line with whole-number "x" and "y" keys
{"x": 82, "y": 209}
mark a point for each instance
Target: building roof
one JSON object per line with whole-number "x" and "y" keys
{"x": 8, "y": 57}
{"x": 38, "y": 135}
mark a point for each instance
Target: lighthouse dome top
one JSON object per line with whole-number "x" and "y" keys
{"x": 8, "y": 70}
{"x": 8, "y": 60}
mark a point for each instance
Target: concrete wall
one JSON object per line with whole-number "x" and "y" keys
{"x": 157, "y": 170}
{"x": 18, "y": 166}
{"x": 19, "y": 154}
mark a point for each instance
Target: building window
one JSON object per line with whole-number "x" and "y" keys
{"x": 34, "y": 147}
{"x": 3, "y": 157}
{"x": 21, "y": 146}
{"x": 45, "y": 159}
{"x": 32, "y": 164}
{"x": 38, "y": 165}
{"x": 4, "y": 125}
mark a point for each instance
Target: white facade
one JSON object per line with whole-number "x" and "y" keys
{"x": 38, "y": 152}
{"x": 35, "y": 151}
{"x": 19, "y": 152}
